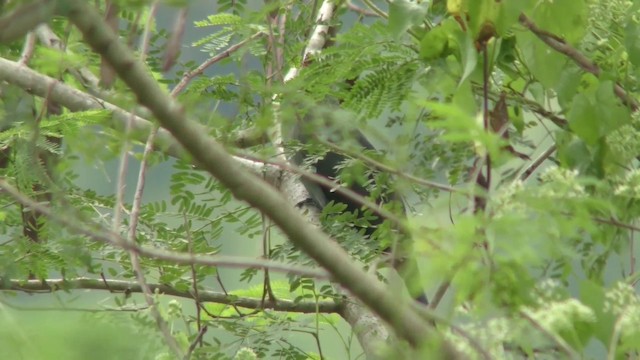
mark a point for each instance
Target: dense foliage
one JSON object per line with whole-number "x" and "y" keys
{"x": 510, "y": 129}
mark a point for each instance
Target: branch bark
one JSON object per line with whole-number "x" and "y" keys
{"x": 24, "y": 19}
{"x": 76, "y": 100}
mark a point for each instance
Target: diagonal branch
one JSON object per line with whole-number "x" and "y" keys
{"x": 24, "y": 18}
{"x": 76, "y": 100}
{"x": 558, "y": 44}
{"x": 200, "y": 69}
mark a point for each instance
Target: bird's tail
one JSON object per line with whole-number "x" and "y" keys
{"x": 408, "y": 270}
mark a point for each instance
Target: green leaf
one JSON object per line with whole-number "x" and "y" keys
{"x": 468, "y": 54}
{"x": 507, "y": 53}
{"x": 462, "y": 127}
{"x": 568, "y": 86}
{"x": 573, "y": 153}
{"x": 565, "y": 18}
{"x": 219, "y": 19}
{"x": 482, "y": 14}
{"x": 611, "y": 110}
{"x": 597, "y": 112}
{"x": 583, "y": 119}
{"x": 464, "y": 98}
{"x": 510, "y": 10}
{"x": 434, "y": 43}
{"x": 404, "y": 14}
{"x": 592, "y": 295}
{"x": 516, "y": 116}
{"x": 545, "y": 64}
{"x": 632, "y": 40}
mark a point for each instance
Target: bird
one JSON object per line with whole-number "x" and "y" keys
{"x": 328, "y": 166}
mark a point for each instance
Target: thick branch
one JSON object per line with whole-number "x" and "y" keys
{"x": 51, "y": 285}
{"x": 23, "y": 19}
{"x": 244, "y": 185}
{"x": 76, "y": 100}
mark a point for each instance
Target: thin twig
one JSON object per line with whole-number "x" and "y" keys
{"x": 616, "y": 223}
{"x": 135, "y": 261}
{"x": 533, "y": 166}
{"x": 279, "y": 54}
{"x": 195, "y": 342}
{"x": 131, "y": 238}
{"x": 224, "y": 290}
{"x": 564, "y": 347}
{"x": 266, "y": 248}
{"x": 98, "y": 233}
{"x": 362, "y": 11}
{"x": 375, "y": 9}
{"x": 615, "y": 337}
{"x": 275, "y": 63}
{"x": 133, "y": 226}
{"x": 172, "y": 47}
{"x": 561, "y": 46}
{"x": 440, "y": 292}
{"x": 28, "y": 48}
{"x": 485, "y": 107}
{"x": 194, "y": 282}
{"x": 121, "y": 183}
{"x": 200, "y": 69}
{"x": 632, "y": 253}
{"x": 74, "y": 309}
{"x": 137, "y": 196}
{"x": 146, "y": 34}
{"x": 393, "y": 171}
{"x": 315, "y": 337}
{"x": 431, "y": 316}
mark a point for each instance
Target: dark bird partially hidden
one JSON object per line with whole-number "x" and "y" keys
{"x": 328, "y": 166}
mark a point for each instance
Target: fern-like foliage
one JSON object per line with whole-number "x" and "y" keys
{"x": 236, "y": 6}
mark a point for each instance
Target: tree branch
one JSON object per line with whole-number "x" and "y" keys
{"x": 24, "y": 19}
{"x": 558, "y": 44}
{"x": 51, "y": 285}
{"x": 200, "y": 69}
{"x": 361, "y": 11}
{"x": 76, "y": 100}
